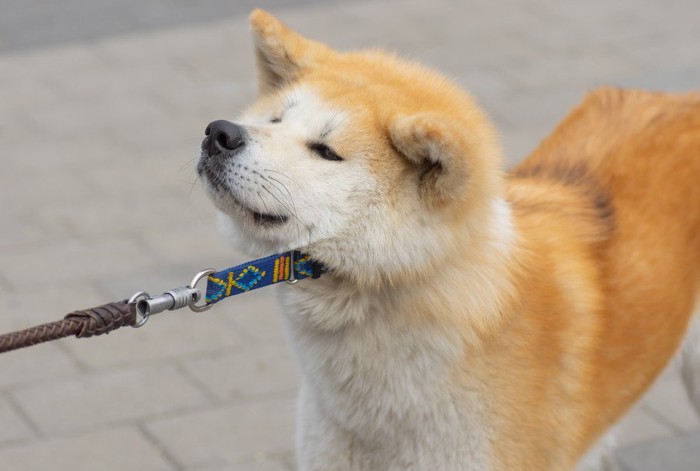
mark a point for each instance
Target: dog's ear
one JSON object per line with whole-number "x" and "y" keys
{"x": 440, "y": 151}
{"x": 281, "y": 54}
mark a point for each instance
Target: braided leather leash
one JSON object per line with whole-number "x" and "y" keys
{"x": 282, "y": 267}
{"x": 86, "y": 323}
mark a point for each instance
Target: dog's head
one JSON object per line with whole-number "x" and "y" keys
{"x": 368, "y": 163}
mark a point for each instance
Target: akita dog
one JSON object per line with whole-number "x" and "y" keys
{"x": 469, "y": 319}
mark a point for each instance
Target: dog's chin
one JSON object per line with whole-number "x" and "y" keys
{"x": 227, "y": 203}
{"x": 248, "y": 237}
{"x": 250, "y": 216}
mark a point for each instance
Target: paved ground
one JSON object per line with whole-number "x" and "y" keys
{"x": 101, "y": 114}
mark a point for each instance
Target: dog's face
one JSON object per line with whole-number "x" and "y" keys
{"x": 292, "y": 175}
{"x": 365, "y": 162}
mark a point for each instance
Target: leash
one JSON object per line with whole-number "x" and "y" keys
{"x": 289, "y": 267}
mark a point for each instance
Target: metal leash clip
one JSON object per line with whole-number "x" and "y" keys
{"x": 177, "y": 298}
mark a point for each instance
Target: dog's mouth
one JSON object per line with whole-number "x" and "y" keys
{"x": 268, "y": 219}
{"x": 264, "y": 219}
{"x": 211, "y": 171}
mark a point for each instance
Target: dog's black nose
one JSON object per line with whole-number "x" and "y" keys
{"x": 222, "y": 136}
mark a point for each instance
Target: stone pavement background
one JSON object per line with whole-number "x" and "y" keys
{"x": 102, "y": 108}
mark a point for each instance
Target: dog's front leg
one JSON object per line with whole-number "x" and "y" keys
{"x": 321, "y": 444}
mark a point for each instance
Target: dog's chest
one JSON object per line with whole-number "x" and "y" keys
{"x": 379, "y": 375}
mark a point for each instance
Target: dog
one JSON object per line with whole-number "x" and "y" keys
{"x": 469, "y": 319}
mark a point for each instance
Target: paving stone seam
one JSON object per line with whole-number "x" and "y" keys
{"x": 661, "y": 418}
{"x": 26, "y": 418}
{"x": 158, "y": 445}
{"x": 212, "y": 399}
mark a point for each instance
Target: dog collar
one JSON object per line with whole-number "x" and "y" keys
{"x": 288, "y": 266}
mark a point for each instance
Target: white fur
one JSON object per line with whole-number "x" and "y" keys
{"x": 276, "y": 173}
{"x": 378, "y": 388}
{"x": 341, "y": 213}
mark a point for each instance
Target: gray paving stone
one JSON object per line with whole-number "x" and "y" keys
{"x": 672, "y": 370}
{"x": 23, "y": 232}
{"x": 168, "y": 336}
{"x": 163, "y": 179}
{"x": 672, "y": 22}
{"x": 31, "y": 305}
{"x": 668, "y": 400}
{"x": 256, "y": 316}
{"x": 22, "y": 93}
{"x": 56, "y": 155}
{"x": 537, "y": 110}
{"x": 203, "y": 55}
{"x": 233, "y": 434}
{"x": 40, "y": 364}
{"x": 384, "y": 27}
{"x": 117, "y": 449}
{"x": 107, "y": 82}
{"x": 38, "y": 65}
{"x": 215, "y": 467}
{"x": 26, "y": 190}
{"x": 678, "y": 454}
{"x": 486, "y": 86}
{"x": 14, "y": 427}
{"x": 80, "y": 20}
{"x": 117, "y": 397}
{"x": 72, "y": 260}
{"x": 261, "y": 463}
{"x": 519, "y": 143}
{"x": 684, "y": 79}
{"x": 70, "y": 121}
{"x": 597, "y": 25}
{"x": 527, "y": 116}
{"x": 586, "y": 69}
{"x": 196, "y": 246}
{"x": 223, "y": 97}
{"x": 119, "y": 218}
{"x": 639, "y": 426}
{"x": 254, "y": 372}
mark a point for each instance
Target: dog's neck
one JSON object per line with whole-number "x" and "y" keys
{"x": 378, "y": 363}
{"x": 482, "y": 281}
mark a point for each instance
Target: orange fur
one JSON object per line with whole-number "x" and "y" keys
{"x": 615, "y": 188}
{"x": 599, "y": 284}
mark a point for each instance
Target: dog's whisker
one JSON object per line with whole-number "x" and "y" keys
{"x": 293, "y": 213}
{"x": 286, "y": 176}
{"x": 266, "y": 211}
{"x": 288, "y": 197}
{"x": 289, "y": 194}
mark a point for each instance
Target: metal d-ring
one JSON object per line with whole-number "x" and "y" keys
{"x": 197, "y": 278}
{"x": 135, "y": 298}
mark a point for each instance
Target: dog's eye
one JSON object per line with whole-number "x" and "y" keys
{"x": 323, "y": 151}
{"x": 276, "y": 120}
